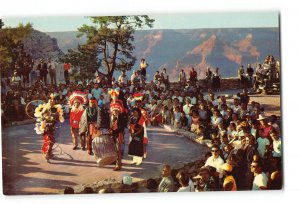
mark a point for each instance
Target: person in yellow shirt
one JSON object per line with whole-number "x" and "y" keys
{"x": 229, "y": 181}
{"x": 143, "y": 66}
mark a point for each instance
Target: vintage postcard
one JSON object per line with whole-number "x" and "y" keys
{"x": 128, "y": 104}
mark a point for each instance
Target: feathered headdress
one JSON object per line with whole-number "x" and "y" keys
{"x": 117, "y": 105}
{"x": 78, "y": 95}
{"x": 114, "y": 93}
{"x": 42, "y": 109}
{"x": 138, "y": 96}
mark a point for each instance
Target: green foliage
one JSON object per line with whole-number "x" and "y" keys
{"x": 11, "y": 45}
{"x": 109, "y": 44}
{"x": 84, "y": 57}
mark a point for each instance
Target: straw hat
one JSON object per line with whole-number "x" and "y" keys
{"x": 226, "y": 167}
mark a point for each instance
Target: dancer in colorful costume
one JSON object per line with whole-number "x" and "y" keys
{"x": 117, "y": 124}
{"x": 48, "y": 115}
{"x": 77, "y": 99}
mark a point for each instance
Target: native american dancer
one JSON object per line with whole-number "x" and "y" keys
{"x": 48, "y": 115}
{"x": 117, "y": 125}
{"x": 90, "y": 122}
{"x": 77, "y": 99}
{"x": 139, "y": 104}
{"x": 136, "y": 130}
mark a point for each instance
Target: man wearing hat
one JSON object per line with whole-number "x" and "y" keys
{"x": 229, "y": 182}
{"x": 77, "y": 99}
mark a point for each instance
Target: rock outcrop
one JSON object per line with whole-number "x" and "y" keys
{"x": 41, "y": 45}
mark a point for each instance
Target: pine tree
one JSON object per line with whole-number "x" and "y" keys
{"x": 109, "y": 44}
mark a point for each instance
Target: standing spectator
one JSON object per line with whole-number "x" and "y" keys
{"x": 52, "y": 71}
{"x": 123, "y": 80}
{"x": 143, "y": 67}
{"x": 67, "y": 68}
{"x": 156, "y": 77}
{"x": 33, "y": 74}
{"x": 42, "y": 67}
{"x": 250, "y": 79}
{"x": 165, "y": 77}
{"x": 96, "y": 91}
{"x": 167, "y": 183}
{"x": 193, "y": 75}
{"x": 208, "y": 78}
{"x": 25, "y": 72}
{"x": 15, "y": 79}
{"x": 182, "y": 78}
{"x": 260, "y": 178}
{"x": 216, "y": 80}
{"x": 242, "y": 77}
{"x": 106, "y": 96}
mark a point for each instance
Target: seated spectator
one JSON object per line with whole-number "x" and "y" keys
{"x": 88, "y": 190}
{"x": 184, "y": 180}
{"x": 205, "y": 181}
{"x": 229, "y": 181}
{"x": 167, "y": 183}
{"x": 69, "y": 190}
{"x": 195, "y": 121}
{"x": 106, "y": 190}
{"x": 260, "y": 181}
{"x": 165, "y": 115}
{"x": 152, "y": 185}
{"x": 183, "y": 120}
{"x": 215, "y": 160}
{"x": 176, "y": 117}
{"x": 276, "y": 175}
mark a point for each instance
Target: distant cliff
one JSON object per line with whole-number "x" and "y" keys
{"x": 225, "y": 48}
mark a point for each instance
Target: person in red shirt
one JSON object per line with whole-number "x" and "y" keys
{"x": 67, "y": 67}
{"x": 193, "y": 75}
{"x": 76, "y": 101}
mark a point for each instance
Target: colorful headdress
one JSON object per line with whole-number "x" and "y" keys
{"x": 114, "y": 93}
{"x": 138, "y": 96}
{"x": 78, "y": 95}
{"x": 117, "y": 105}
{"x": 42, "y": 109}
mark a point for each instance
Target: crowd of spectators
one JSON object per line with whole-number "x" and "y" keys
{"x": 246, "y": 145}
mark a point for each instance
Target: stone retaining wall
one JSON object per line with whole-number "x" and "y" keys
{"x": 226, "y": 83}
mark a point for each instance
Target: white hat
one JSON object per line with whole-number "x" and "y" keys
{"x": 261, "y": 117}
{"x": 226, "y": 167}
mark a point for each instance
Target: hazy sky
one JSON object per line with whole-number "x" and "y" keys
{"x": 163, "y": 21}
